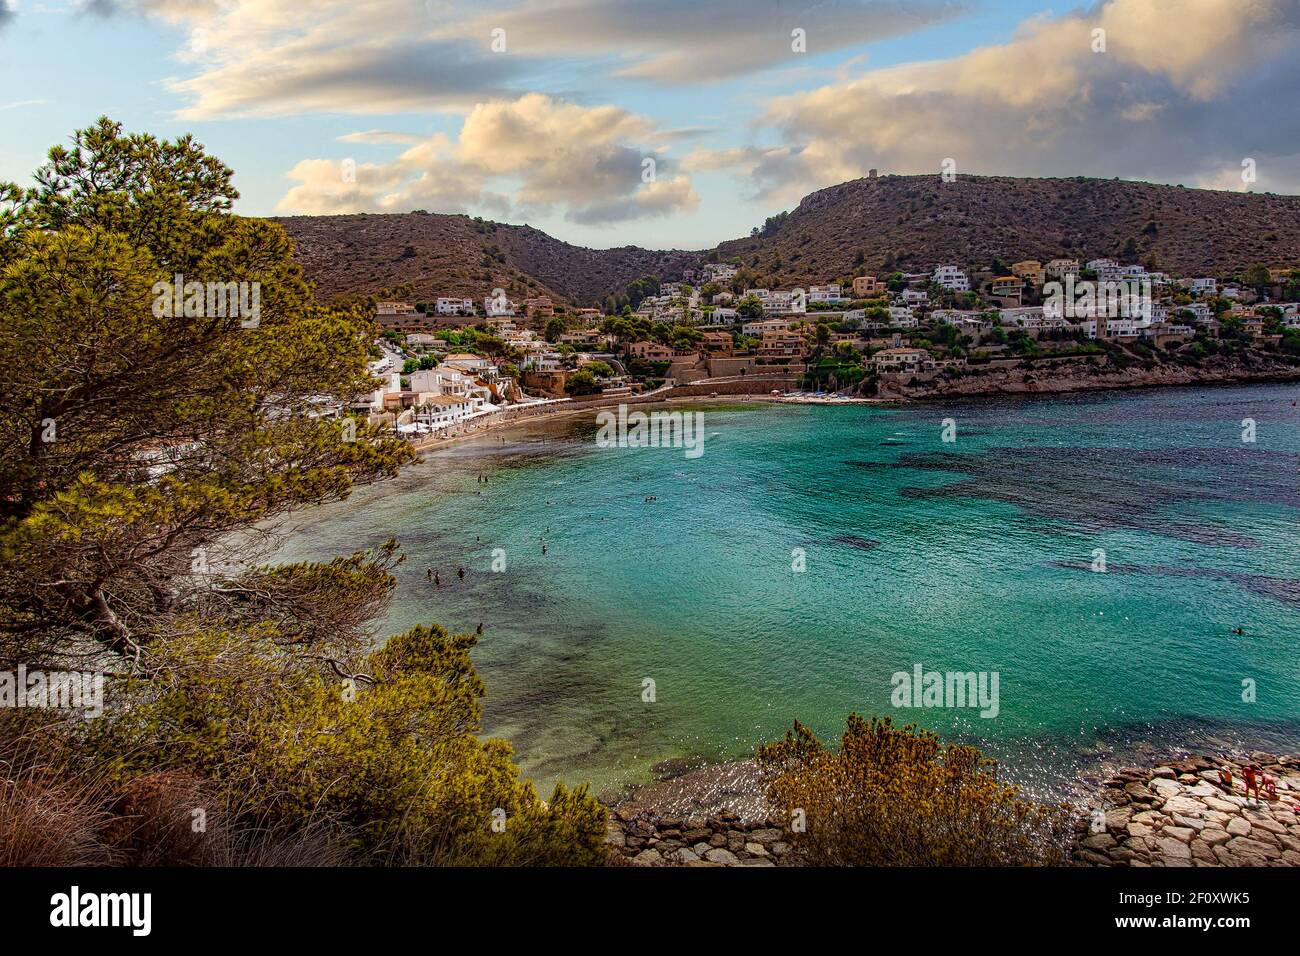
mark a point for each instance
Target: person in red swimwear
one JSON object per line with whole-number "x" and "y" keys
{"x": 1251, "y": 780}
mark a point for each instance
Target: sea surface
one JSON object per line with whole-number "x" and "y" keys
{"x": 812, "y": 552}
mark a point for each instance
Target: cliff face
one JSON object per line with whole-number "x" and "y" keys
{"x": 1081, "y": 375}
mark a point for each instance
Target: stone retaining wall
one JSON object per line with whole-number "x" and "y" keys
{"x": 639, "y": 838}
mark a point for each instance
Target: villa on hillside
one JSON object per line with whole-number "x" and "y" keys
{"x": 902, "y": 359}
{"x": 648, "y": 351}
{"x": 952, "y": 278}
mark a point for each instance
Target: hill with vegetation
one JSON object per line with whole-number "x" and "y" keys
{"x": 905, "y": 223}
{"x": 912, "y": 223}
{"x": 428, "y": 255}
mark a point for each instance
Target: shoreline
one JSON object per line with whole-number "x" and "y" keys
{"x": 566, "y": 411}
{"x": 1068, "y": 379}
{"x": 1020, "y": 389}
{"x": 1173, "y": 812}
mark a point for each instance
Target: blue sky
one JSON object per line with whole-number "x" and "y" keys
{"x": 392, "y": 105}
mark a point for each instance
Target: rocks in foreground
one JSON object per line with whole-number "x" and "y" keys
{"x": 1176, "y": 813}
{"x": 638, "y": 837}
{"x": 715, "y": 815}
{"x": 1179, "y": 814}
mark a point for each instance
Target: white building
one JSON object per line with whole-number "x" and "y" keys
{"x": 826, "y": 293}
{"x": 780, "y": 303}
{"x": 445, "y": 306}
{"x": 374, "y": 401}
{"x": 1058, "y": 269}
{"x": 1205, "y": 286}
{"x": 902, "y": 317}
{"x": 968, "y": 322}
{"x": 759, "y": 326}
{"x": 1022, "y": 317}
{"x": 439, "y": 411}
{"x": 952, "y": 278}
{"x": 1115, "y": 328}
{"x": 498, "y": 305}
{"x": 1108, "y": 270}
{"x": 721, "y": 272}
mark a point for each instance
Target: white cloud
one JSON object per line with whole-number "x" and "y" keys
{"x": 523, "y": 156}
{"x": 678, "y": 42}
{"x": 380, "y": 137}
{"x": 1182, "y": 92}
{"x": 278, "y": 57}
{"x": 272, "y": 57}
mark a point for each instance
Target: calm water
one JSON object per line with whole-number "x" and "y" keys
{"x": 969, "y": 556}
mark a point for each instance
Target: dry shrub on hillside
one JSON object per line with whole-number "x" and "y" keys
{"x": 894, "y": 796}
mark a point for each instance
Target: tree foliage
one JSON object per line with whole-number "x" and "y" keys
{"x": 145, "y": 461}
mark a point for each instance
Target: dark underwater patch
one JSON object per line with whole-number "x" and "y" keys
{"x": 1286, "y": 590}
{"x": 854, "y": 541}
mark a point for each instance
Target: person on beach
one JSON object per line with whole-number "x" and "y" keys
{"x": 1250, "y": 780}
{"x": 461, "y": 572}
{"x": 1270, "y": 787}
{"x": 437, "y": 581}
{"x": 479, "y": 629}
{"x": 428, "y": 573}
{"x": 1225, "y": 777}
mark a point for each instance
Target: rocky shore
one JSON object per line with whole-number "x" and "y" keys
{"x": 1082, "y": 375}
{"x": 711, "y": 816}
{"x": 1173, "y": 814}
{"x": 642, "y": 838}
{"x": 1179, "y": 814}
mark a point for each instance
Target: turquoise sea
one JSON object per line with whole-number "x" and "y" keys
{"x": 972, "y": 555}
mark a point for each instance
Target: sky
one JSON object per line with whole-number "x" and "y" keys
{"x": 659, "y": 123}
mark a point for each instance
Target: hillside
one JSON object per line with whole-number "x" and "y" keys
{"x": 459, "y": 256}
{"x": 903, "y": 222}
{"x": 915, "y": 222}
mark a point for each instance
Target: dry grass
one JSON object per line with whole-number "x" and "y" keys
{"x": 55, "y": 813}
